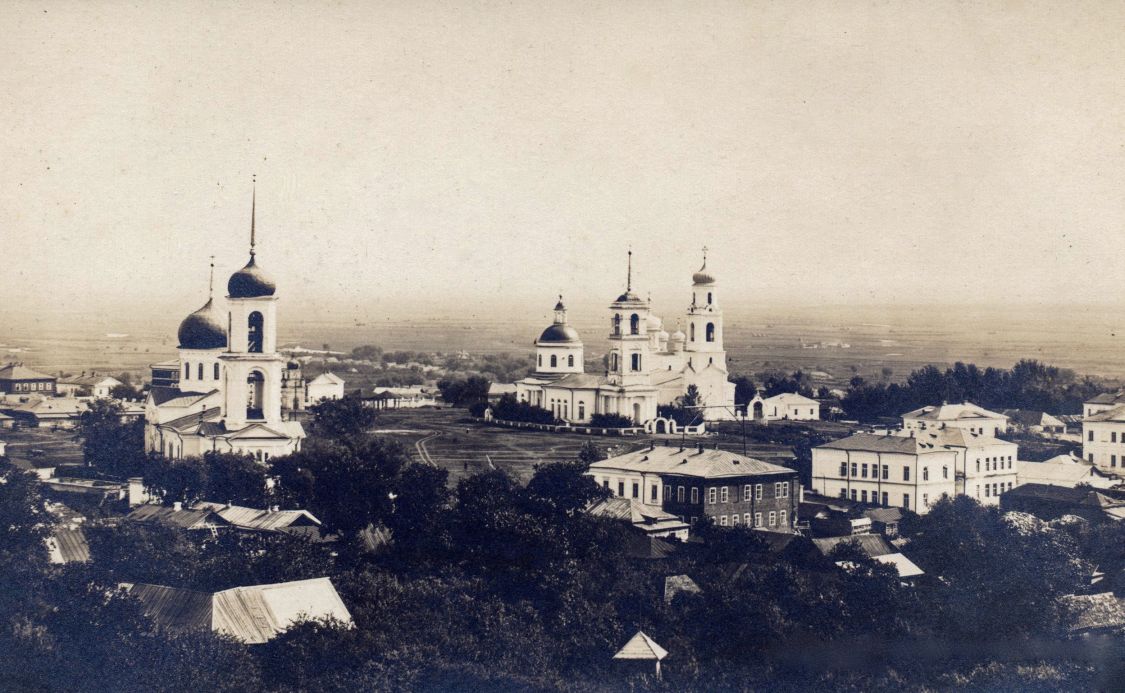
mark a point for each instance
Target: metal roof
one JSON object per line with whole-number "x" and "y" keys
{"x": 183, "y": 519}
{"x": 68, "y": 546}
{"x": 254, "y": 614}
{"x": 15, "y": 371}
{"x": 871, "y": 544}
{"x": 966, "y": 411}
{"x": 263, "y": 520}
{"x": 708, "y": 464}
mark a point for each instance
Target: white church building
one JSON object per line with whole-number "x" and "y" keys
{"x": 646, "y": 366}
{"x": 229, "y": 394}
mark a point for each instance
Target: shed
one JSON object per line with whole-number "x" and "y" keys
{"x": 642, "y": 648}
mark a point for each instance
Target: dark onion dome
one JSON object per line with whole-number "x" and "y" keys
{"x": 203, "y": 329}
{"x": 628, "y": 297}
{"x": 250, "y": 282}
{"x": 559, "y": 305}
{"x": 559, "y": 334}
{"x": 702, "y": 276}
{"x": 293, "y": 366}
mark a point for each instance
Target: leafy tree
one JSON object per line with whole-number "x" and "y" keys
{"x": 342, "y": 420}
{"x": 419, "y": 513}
{"x": 744, "y": 391}
{"x": 126, "y": 391}
{"x": 113, "y": 447}
{"x": 565, "y": 487}
{"x": 508, "y": 408}
{"x": 367, "y": 352}
{"x": 23, "y": 521}
{"x": 591, "y": 452}
{"x": 464, "y": 392}
{"x": 237, "y": 479}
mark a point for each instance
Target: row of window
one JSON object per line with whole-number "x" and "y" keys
{"x": 555, "y": 361}
{"x": 861, "y": 496}
{"x": 199, "y": 371}
{"x": 715, "y": 494}
{"x": 736, "y": 520}
{"x": 993, "y": 490}
{"x": 992, "y": 464}
{"x": 1112, "y": 436}
{"x": 33, "y": 387}
{"x": 861, "y": 471}
{"x": 635, "y": 327}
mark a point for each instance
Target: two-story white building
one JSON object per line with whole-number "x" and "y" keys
{"x": 913, "y": 470}
{"x": 1103, "y": 432}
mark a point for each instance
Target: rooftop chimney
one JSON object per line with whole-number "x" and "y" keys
{"x": 177, "y": 506}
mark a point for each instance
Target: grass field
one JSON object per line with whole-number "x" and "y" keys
{"x": 450, "y": 439}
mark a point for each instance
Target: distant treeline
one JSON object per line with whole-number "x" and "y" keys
{"x": 1027, "y": 385}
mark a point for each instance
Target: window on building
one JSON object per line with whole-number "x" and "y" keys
{"x": 843, "y": 469}
{"x": 216, "y": 369}
{"x": 712, "y": 495}
{"x": 906, "y": 500}
{"x": 906, "y": 473}
{"x": 886, "y": 471}
{"x": 978, "y": 465}
{"x": 554, "y": 361}
{"x": 581, "y": 411}
{"x": 863, "y": 496}
{"x": 187, "y": 371}
{"x": 710, "y": 332}
{"x": 886, "y": 498}
{"x": 757, "y": 492}
{"x": 636, "y": 362}
{"x": 636, "y": 490}
{"x": 540, "y": 363}
{"x": 613, "y": 362}
{"x": 570, "y": 360}
{"x": 863, "y": 470}
{"x": 667, "y": 492}
{"x": 757, "y": 519}
{"x": 925, "y": 473}
{"x": 724, "y": 494}
{"x": 1113, "y": 436}
{"x": 734, "y": 520}
{"x": 634, "y": 324}
{"x": 1090, "y": 436}
{"x": 1090, "y": 457}
{"x": 747, "y": 492}
{"x": 694, "y": 494}
{"x": 855, "y": 467}
{"x": 679, "y": 494}
{"x": 1113, "y": 460}
{"x": 746, "y": 520}
{"x": 925, "y": 500}
{"x": 843, "y": 493}
{"x": 708, "y": 298}
{"x": 617, "y": 324}
{"x": 855, "y": 495}
{"x": 692, "y": 331}
{"x": 773, "y": 519}
{"x": 781, "y": 489}
{"x": 945, "y": 472}
{"x": 784, "y": 517}
{"x": 199, "y": 372}
{"x": 987, "y": 491}
{"x": 621, "y": 488}
{"x": 254, "y": 333}
{"x": 722, "y": 520}
{"x": 605, "y": 484}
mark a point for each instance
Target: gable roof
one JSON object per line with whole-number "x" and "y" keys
{"x": 873, "y": 545}
{"x": 919, "y": 443}
{"x": 1063, "y": 470}
{"x": 1108, "y": 398}
{"x": 15, "y": 371}
{"x": 640, "y": 646}
{"x": 1115, "y": 414}
{"x": 709, "y": 464}
{"x": 262, "y": 520}
{"x": 791, "y": 398}
{"x": 328, "y": 378}
{"x": 254, "y": 614}
{"x": 966, "y": 411}
{"x": 68, "y": 545}
{"x": 1031, "y": 417}
{"x": 175, "y": 397}
{"x": 170, "y": 517}
{"x": 884, "y": 515}
{"x": 905, "y": 567}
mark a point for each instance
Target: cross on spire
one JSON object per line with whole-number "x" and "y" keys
{"x": 629, "y": 276}
{"x": 211, "y": 281}
{"x": 253, "y": 208}
{"x": 705, "y": 256}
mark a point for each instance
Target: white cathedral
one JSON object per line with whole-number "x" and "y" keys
{"x": 230, "y": 388}
{"x": 647, "y": 367}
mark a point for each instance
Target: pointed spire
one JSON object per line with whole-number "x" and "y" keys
{"x": 629, "y": 276}
{"x": 704, "y": 259}
{"x": 211, "y": 281}
{"x": 253, "y": 209}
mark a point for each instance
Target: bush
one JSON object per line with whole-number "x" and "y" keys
{"x": 509, "y": 409}
{"x": 611, "y": 421}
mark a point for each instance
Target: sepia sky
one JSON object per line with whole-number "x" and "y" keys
{"x": 422, "y": 156}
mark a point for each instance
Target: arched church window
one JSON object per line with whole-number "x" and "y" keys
{"x": 216, "y": 371}
{"x": 554, "y": 361}
{"x": 540, "y": 359}
{"x": 617, "y": 324}
{"x": 255, "y": 395}
{"x": 254, "y": 333}
{"x": 187, "y": 371}
{"x": 613, "y": 362}
{"x": 199, "y": 372}
{"x": 710, "y": 332}
{"x": 708, "y": 298}
{"x": 636, "y": 362}
{"x": 692, "y": 330}
{"x": 570, "y": 361}
{"x": 634, "y": 324}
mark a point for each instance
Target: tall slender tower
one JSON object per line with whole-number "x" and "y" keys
{"x": 628, "y": 337}
{"x": 251, "y": 365}
{"x": 704, "y": 346}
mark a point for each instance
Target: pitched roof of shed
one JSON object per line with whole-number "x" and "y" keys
{"x": 18, "y": 372}
{"x": 640, "y": 646}
{"x": 871, "y": 544}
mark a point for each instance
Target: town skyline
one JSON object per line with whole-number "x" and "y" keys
{"x": 485, "y": 155}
